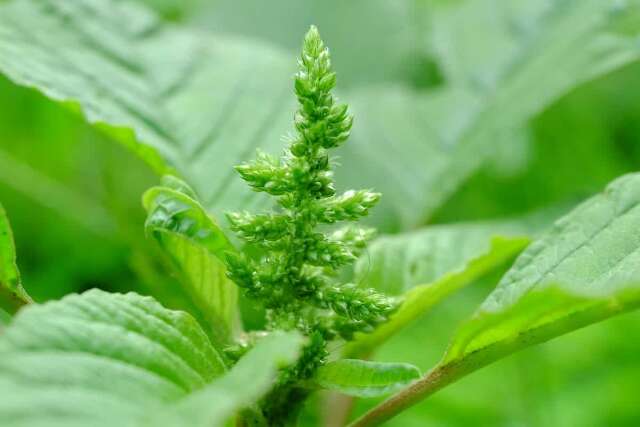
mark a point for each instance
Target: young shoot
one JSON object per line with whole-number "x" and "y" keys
{"x": 295, "y": 278}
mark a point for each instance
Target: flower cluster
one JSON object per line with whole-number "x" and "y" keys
{"x": 295, "y": 278}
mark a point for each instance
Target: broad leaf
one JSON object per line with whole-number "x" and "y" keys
{"x": 422, "y": 146}
{"x": 397, "y": 263}
{"x": 584, "y": 270}
{"x": 363, "y": 378}
{"x": 195, "y": 246}
{"x": 104, "y": 359}
{"x": 12, "y": 294}
{"x": 428, "y": 265}
{"x": 245, "y": 383}
{"x": 194, "y": 103}
{"x": 183, "y": 100}
{"x": 383, "y": 48}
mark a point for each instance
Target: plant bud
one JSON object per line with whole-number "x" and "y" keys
{"x": 298, "y": 149}
{"x": 295, "y": 277}
{"x": 327, "y": 82}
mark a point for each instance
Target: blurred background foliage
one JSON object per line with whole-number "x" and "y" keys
{"x": 74, "y": 197}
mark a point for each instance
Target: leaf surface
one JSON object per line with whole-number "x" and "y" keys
{"x": 421, "y": 146}
{"x": 426, "y": 266}
{"x": 245, "y": 383}
{"x": 104, "y": 359}
{"x": 194, "y": 103}
{"x": 363, "y": 378}
{"x": 582, "y": 271}
{"x": 195, "y": 245}
{"x": 12, "y": 294}
{"x": 183, "y": 100}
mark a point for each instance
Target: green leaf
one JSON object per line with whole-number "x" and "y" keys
{"x": 12, "y": 294}
{"x": 363, "y": 378}
{"x": 195, "y": 245}
{"x": 247, "y": 382}
{"x": 441, "y": 136}
{"x": 104, "y": 359}
{"x": 397, "y": 263}
{"x": 194, "y": 103}
{"x": 428, "y": 265}
{"x": 584, "y": 270}
{"x": 183, "y": 100}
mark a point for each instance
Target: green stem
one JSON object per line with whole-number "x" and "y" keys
{"x": 450, "y": 371}
{"x": 435, "y": 380}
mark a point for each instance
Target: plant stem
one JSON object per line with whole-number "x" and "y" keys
{"x": 436, "y": 379}
{"x": 448, "y": 372}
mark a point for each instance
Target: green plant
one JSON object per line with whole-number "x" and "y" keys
{"x": 293, "y": 279}
{"x": 294, "y": 276}
{"x": 186, "y": 355}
